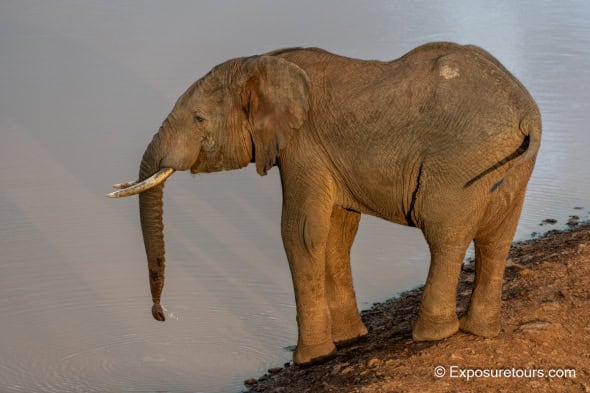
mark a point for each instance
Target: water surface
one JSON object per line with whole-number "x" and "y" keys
{"x": 84, "y": 85}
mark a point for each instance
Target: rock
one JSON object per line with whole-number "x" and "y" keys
{"x": 540, "y": 331}
{"x": 250, "y": 382}
{"x": 573, "y": 221}
{"x": 535, "y": 326}
{"x": 275, "y": 370}
{"x": 550, "y": 221}
{"x": 373, "y": 363}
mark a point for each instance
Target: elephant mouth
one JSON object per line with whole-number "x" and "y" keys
{"x": 137, "y": 187}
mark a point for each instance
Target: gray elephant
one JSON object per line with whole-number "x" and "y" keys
{"x": 443, "y": 139}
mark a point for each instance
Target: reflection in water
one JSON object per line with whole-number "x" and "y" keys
{"x": 83, "y": 86}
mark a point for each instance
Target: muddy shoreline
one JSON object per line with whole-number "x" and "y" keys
{"x": 545, "y": 326}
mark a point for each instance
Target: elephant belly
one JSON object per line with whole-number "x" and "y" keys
{"x": 384, "y": 191}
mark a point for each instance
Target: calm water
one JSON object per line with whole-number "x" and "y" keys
{"x": 84, "y": 85}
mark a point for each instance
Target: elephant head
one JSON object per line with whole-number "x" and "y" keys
{"x": 244, "y": 110}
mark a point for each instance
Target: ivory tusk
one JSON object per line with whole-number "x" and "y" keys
{"x": 121, "y": 186}
{"x": 139, "y": 187}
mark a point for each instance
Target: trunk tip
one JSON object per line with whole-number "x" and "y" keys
{"x": 158, "y": 312}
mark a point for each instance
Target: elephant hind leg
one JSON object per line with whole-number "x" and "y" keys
{"x": 437, "y": 318}
{"x": 492, "y": 245}
{"x": 347, "y": 325}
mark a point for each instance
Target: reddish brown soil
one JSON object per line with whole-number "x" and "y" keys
{"x": 546, "y": 326}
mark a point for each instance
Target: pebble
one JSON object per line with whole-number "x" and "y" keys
{"x": 549, "y": 221}
{"x": 552, "y": 306}
{"x": 511, "y": 264}
{"x": 525, "y": 272}
{"x": 250, "y": 381}
{"x": 337, "y": 369}
{"x": 275, "y": 370}
{"x": 347, "y": 370}
{"x": 455, "y": 356}
{"x": 373, "y": 363}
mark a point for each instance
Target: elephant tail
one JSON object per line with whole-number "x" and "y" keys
{"x": 530, "y": 127}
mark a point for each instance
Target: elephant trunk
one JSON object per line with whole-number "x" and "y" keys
{"x": 150, "y": 211}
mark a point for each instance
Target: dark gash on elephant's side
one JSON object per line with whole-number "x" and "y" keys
{"x": 443, "y": 139}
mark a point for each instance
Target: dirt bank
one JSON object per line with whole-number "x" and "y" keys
{"x": 546, "y": 331}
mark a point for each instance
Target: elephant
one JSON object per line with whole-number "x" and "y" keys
{"x": 443, "y": 139}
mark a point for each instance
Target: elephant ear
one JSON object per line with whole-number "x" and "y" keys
{"x": 275, "y": 98}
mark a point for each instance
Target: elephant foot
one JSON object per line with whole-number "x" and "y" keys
{"x": 307, "y": 355}
{"x": 346, "y": 334}
{"x": 489, "y": 327}
{"x": 426, "y": 329}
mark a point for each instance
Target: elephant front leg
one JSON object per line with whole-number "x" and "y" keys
{"x": 347, "y": 325}
{"x": 305, "y": 227}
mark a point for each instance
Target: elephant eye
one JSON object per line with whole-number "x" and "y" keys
{"x": 198, "y": 119}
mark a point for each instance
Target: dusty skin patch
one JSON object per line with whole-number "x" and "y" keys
{"x": 449, "y": 72}
{"x": 545, "y": 326}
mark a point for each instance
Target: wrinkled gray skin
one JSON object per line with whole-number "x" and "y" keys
{"x": 443, "y": 139}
